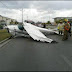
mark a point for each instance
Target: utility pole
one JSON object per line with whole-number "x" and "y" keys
{"x": 27, "y": 17}
{"x": 22, "y": 15}
{"x": 49, "y": 17}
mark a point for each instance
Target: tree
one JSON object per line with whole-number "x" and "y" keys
{"x": 11, "y": 22}
{"x": 57, "y": 21}
{"x": 48, "y": 22}
{"x": 16, "y": 22}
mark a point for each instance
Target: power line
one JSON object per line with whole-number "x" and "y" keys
{"x": 4, "y": 4}
{"x": 8, "y": 8}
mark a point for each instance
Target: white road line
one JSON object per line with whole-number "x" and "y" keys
{"x": 67, "y": 61}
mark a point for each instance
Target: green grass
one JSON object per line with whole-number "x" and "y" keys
{"x": 4, "y": 34}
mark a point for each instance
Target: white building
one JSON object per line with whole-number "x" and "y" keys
{"x": 1, "y": 17}
{"x": 59, "y": 18}
{"x": 6, "y": 19}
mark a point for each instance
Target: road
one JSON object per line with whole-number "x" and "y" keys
{"x": 25, "y": 54}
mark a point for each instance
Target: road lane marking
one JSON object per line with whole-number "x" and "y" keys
{"x": 67, "y": 61}
{"x": 3, "y": 44}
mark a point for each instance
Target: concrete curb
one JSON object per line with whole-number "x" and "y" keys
{"x": 3, "y": 44}
{"x": 4, "y": 40}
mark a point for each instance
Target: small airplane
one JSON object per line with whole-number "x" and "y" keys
{"x": 27, "y": 29}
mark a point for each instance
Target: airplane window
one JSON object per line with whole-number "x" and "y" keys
{"x": 20, "y": 27}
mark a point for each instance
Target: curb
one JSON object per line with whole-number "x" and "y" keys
{"x": 4, "y": 40}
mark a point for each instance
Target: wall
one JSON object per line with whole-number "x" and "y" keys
{"x": 0, "y": 18}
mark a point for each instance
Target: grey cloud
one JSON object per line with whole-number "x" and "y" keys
{"x": 16, "y": 4}
{"x": 56, "y": 5}
{"x": 43, "y": 5}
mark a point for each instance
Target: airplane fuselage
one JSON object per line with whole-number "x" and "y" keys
{"x": 14, "y": 30}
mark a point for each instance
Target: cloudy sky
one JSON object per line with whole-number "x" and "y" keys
{"x": 36, "y": 10}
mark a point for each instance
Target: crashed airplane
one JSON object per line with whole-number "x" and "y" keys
{"x": 33, "y": 31}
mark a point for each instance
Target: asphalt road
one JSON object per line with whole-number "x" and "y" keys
{"x": 25, "y": 54}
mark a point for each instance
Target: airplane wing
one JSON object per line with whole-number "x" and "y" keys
{"x": 43, "y": 29}
{"x": 34, "y": 32}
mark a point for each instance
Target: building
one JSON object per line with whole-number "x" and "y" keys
{"x": 30, "y": 21}
{"x": 6, "y": 20}
{"x": 39, "y": 24}
{"x": 1, "y": 18}
{"x": 59, "y": 18}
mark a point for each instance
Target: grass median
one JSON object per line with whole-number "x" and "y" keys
{"x": 4, "y": 34}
